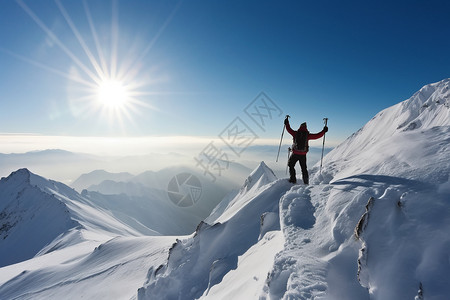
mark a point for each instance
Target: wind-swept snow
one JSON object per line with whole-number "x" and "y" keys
{"x": 112, "y": 270}
{"x": 248, "y": 279}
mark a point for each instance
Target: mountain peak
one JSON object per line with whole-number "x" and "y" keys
{"x": 392, "y": 141}
{"x": 20, "y": 176}
{"x": 29, "y": 217}
{"x": 25, "y": 176}
{"x": 24, "y": 172}
{"x": 427, "y": 108}
{"x": 261, "y": 176}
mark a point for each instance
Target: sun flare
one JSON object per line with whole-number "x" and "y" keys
{"x": 104, "y": 84}
{"x": 112, "y": 94}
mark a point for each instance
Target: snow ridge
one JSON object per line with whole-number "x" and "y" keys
{"x": 392, "y": 142}
{"x": 261, "y": 176}
{"x": 427, "y": 108}
{"x": 200, "y": 261}
{"x": 38, "y": 216}
{"x": 29, "y": 218}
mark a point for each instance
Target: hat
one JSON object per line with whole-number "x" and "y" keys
{"x": 303, "y": 127}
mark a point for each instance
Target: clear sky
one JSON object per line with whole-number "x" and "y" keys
{"x": 189, "y": 68}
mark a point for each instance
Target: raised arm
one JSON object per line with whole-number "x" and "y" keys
{"x": 288, "y": 127}
{"x": 315, "y": 136}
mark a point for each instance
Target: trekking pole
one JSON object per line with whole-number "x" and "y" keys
{"x": 287, "y": 165}
{"x": 281, "y": 140}
{"x": 323, "y": 145}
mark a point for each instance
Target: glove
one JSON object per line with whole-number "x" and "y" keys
{"x": 325, "y": 128}
{"x": 286, "y": 121}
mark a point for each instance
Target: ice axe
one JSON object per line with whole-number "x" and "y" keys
{"x": 323, "y": 145}
{"x": 281, "y": 140}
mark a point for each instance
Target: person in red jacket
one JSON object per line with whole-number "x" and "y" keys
{"x": 300, "y": 148}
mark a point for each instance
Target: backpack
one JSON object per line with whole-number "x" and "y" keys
{"x": 301, "y": 141}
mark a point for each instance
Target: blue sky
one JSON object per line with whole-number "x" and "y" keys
{"x": 190, "y": 68}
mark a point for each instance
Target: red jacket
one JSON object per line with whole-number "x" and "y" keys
{"x": 311, "y": 136}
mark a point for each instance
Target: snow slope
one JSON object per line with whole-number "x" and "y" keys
{"x": 114, "y": 269}
{"x": 398, "y": 165}
{"x": 200, "y": 261}
{"x": 39, "y": 215}
{"x": 58, "y": 244}
{"x": 374, "y": 225}
{"x": 29, "y": 218}
{"x": 400, "y": 140}
{"x": 397, "y": 247}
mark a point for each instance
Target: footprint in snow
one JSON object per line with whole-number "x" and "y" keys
{"x": 298, "y": 209}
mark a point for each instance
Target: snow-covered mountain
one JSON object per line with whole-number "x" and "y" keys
{"x": 155, "y": 185}
{"x": 58, "y": 244}
{"x": 39, "y": 215}
{"x": 373, "y": 225}
{"x": 30, "y": 218}
{"x": 399, "y": 140}
{"x": 198, "y": 263}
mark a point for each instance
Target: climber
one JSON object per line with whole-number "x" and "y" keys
{"x": 300, "y": 148}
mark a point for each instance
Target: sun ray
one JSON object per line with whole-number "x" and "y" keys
{"x": 55, "y": 39}
{"x": 134, "y": 65}
{"x": 49, "y": 69}
{"x": 103, "y": 63}
{"x": 114, "y": 38}
{"x": 101, "y": 84}
{"x": 80, "y": 39}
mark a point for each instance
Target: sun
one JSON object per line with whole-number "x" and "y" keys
{"x": 103, "y": 83}
{"x": 112, "y": 94}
